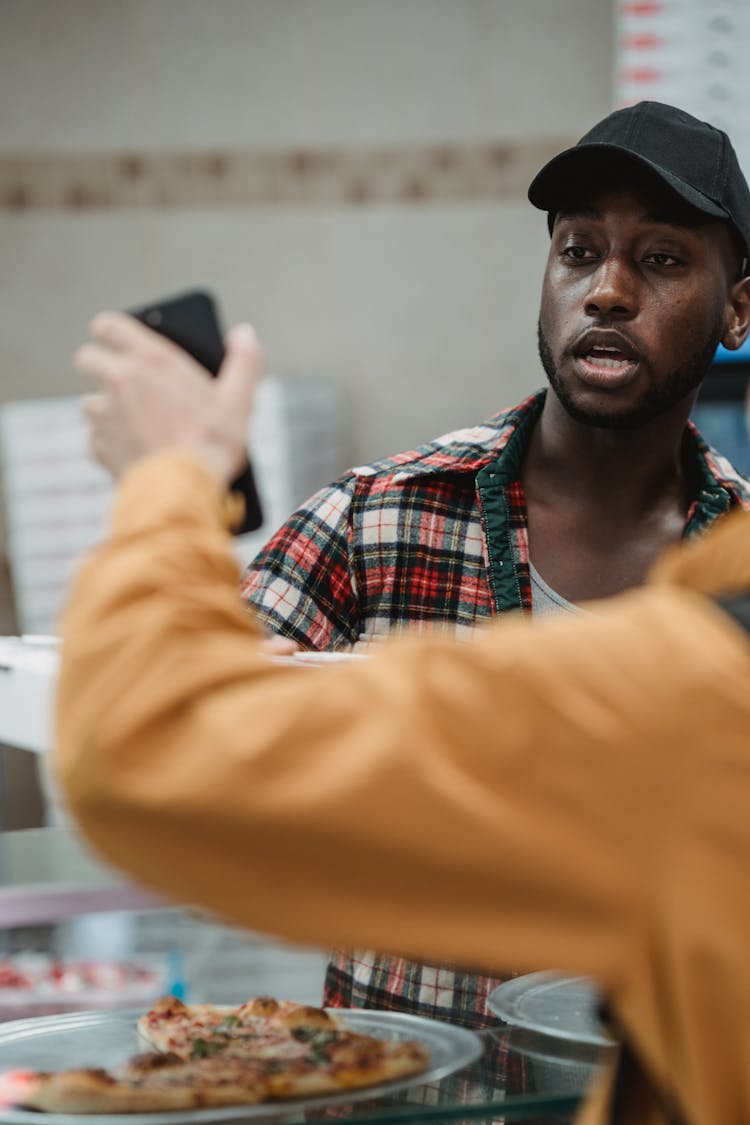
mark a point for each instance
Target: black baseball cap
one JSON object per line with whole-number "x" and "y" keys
{"x": 694, "y": 159}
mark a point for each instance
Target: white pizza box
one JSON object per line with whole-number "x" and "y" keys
{"x": 28, "y": 676}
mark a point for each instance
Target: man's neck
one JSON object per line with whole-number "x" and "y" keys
{"x": 602, "y": 504}
{"x": 634, "y": 470}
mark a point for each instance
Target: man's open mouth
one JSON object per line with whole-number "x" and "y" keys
{"x": 605, "y": 359}
{"x": 612, "y": 358}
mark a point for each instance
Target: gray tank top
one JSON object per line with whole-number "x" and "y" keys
{"x": 545, "y": 600}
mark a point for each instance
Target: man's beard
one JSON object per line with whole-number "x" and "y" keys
{"x": 655, "y": 401}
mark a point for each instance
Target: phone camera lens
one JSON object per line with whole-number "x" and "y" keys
{"x": 154, "y": 318}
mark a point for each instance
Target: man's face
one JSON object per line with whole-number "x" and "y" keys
{"x": 633, "y": 307}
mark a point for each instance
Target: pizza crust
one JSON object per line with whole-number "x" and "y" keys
{"x": 97, "y": 1091}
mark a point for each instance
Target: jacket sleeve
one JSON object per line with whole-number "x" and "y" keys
{"x": 451, "y": 801}
{"x": 300, "y": 584}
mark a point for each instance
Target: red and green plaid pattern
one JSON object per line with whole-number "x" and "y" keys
{"x": 433, "y": 537}
{"x": 368, "y": 980}
{"x": 393, "y": 545}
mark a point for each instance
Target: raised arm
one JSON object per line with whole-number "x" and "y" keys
{"x": 503, "y": 802}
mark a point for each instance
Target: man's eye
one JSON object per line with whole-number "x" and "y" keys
{"x": 662, "y": 258}
{"x": 577, "y": 253}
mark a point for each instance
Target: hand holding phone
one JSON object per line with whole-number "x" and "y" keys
{"x": 190, "y": 320}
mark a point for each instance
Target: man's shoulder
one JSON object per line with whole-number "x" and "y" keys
{"x": 738, "y": 483}
{"x": 720, "y": 470}
{"x": 465, "y": 450}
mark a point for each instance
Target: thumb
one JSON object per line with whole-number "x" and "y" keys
{"x": 240, "y": 371}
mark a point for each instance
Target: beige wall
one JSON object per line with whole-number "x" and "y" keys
{"x": 424, "y": 312}
{"x": 416, "y": 293}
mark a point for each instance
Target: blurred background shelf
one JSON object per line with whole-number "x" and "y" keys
{"x": 48, "y": 874}
{"x": 56, "y": 898}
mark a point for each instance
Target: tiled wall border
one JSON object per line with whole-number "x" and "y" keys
{"x": 76, "y": 182}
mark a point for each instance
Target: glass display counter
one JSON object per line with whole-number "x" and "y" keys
{"x": 48, "y": 875}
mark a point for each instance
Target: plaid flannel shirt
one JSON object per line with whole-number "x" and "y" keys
{"x": 433, "y": 537}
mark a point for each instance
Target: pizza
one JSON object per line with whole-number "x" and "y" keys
{"x": 144, "y": 1084}
{"x": 201, "y": 1055}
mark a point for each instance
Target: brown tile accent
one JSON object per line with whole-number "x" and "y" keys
{"x": 415, "y": 175}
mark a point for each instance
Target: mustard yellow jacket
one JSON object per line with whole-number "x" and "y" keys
{"x": 574, "y": 794}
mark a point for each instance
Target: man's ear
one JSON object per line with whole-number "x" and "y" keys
{"x": 737, "y": 322}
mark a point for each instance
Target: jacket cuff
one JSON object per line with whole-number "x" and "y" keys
{"x": 172, "y": 487}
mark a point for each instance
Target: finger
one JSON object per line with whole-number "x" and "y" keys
{"x": 124, "y": 333}
{"x": 97, "y": 362}
{"x": 120, "y": 331}
{"x": 241, "y": 369}
{"x": 100, "y": 451}
{"x": 95, "y": 407}
{"x": 276, "y": 645}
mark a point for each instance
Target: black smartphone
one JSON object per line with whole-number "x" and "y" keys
{"x": 190, "y": 320}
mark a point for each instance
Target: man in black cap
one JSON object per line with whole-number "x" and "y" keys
{"x": 570, "y": 496}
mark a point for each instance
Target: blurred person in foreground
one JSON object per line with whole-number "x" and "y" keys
{"x": 571, "y": 792}
{"x": 567, "y": 497}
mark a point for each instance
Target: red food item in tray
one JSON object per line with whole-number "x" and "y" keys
{"x": 35, "y": 971}
{"x": 41, "y": 984}
{"x": 14, "y": 1085}
{"x": 10, "y": 977}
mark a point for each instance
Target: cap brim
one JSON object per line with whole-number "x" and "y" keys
{"x": 564, "y": 176}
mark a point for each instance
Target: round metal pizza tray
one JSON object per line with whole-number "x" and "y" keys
{"x": 108, "y": 1038}
{"x": 558, "y": 1015}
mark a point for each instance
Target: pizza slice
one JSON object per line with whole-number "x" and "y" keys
{"x": 305, "y": 1050}
{"x": 261, "y": 1027}
{"x": 147, "y": 1083}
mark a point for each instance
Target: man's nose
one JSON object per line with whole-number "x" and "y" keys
{"x": 613, "y": 289}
